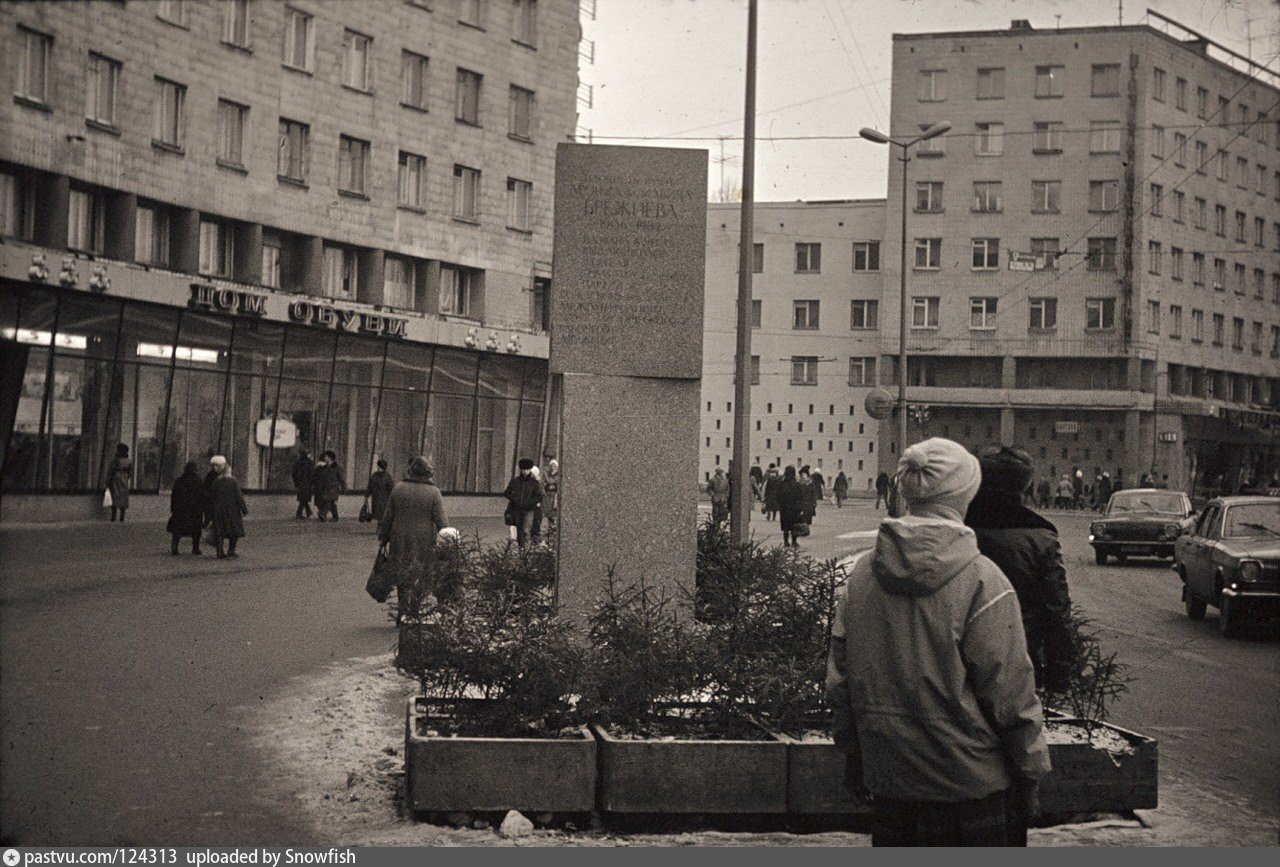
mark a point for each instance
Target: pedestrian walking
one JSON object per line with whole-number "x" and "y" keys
{"x": 718, "y": 488}
{"x": 551, "y": 494}
{"x": 934, "y": 702}
{"x": 226, "y": 512}
{"x": 772, "y": 484}
{"x": 118, "y": 478}
{"x": 1044, "y": 492}
{"x": 792, "y": 498}
{"x": 1104, "y": 492}
{"x": 819, "y": 482}
{"x": 413, "y": 516}
{"x": 1077, "y": 490}
{"x": 379, "y": 490}
{"x": 1025, "y": 547}
{"x": 840, "y": 487}
{"x": 535, "y": 531}
{"x": 1064, "y": 492}
{"x": 524, "y": 495}
{"x": 216, "y": 463}
{"x": 882, "y": 490}
{"x": 186, "y": 508}
{"x": 326, "y": 484}
{"x": 757, "y": 482}
{"x": 809, "y": 496}
{"x": 303, "y": 468}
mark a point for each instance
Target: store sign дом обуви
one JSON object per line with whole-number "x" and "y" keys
{"x": 304, "y": 311}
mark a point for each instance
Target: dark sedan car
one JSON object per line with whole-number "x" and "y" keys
{"x": 1231, "y": 560}
{"x": 1143, "y": 522}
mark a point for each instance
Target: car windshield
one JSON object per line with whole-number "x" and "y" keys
{"x": 1146, "y": 501}
{"x": 1253, "y": 519}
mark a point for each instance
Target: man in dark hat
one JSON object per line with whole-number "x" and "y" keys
{"x": 524, "y": 497}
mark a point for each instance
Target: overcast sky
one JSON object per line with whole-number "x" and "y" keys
{"x": 673, "y": 68}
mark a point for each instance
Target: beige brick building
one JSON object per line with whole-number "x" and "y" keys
{"x": 1135, "y": 174}
{"x": 368, "y": 184}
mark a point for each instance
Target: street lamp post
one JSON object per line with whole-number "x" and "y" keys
{"x": 904, "y": 146}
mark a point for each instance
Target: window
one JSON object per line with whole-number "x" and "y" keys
{"x": 1224, "y": 110}
{"x": 1049, "y": 81}
{"x": 866, "y": 255}
{"x": 1180, "y": 94}
{"x": 1262, "y": 179}
{"x": 33, "y": 74}
{"x": 1219, "y": 328}
{"x": 520, "y": 122}
{"x": 932, "y": 147}
{"x": 1241, "y": 273}
{"x": 987, "y": 196}
{"x": 86, "y": 221}
{"x": 1105, "y": 80}
{"x": 862, "y": 371}
{"x": 341, "y": 275}
{"x": 471, "y": 12}
{"x": 756, "y": 313}
{"x": 170, "y": 121}
{"x": 804, "y": 315}
{"x": 755, "y": 376}
{"x": 518, "y": 195}
{"x": 808, "y": 258}
{"x": 1046, "y": 197}
{"x": 1099, "y": 313}
{"x": 1220, "y": 220}
{"x": 466, "y": 193}
{"x": 1197, "y": 268}
{"x": 1153, "y": 317}
{"x": 989, "y": 140}
{"x": 271, "y": 261}
{"x": 151, "y": 236}
{"x": 1157, "y": 141}
{"x": 1047, "y": 137}
{"x": 1275, "y": 344}
{"x": 1179, "y": 149}
{"x": 1044, "y": 313}
{"x": 1259, "y": 232}
{"x": 1104, "y": 195}
{"x": 231, "y": 120}
{"x": 1157, "y": 84}
{"x": 804, "y": 370}
{"x": 929, "y": 196}
{"x": 400, "y": 283}
{"x": 924, "y": 312}
{"x": 1175, "y": 321}
{"x": 1157, "y": 200}
{"x": 1242, "y": 220}
{"x": 1224, "y": 165}
{"x": 1201, "y": 212}
{"x": 413, "y": 180}
{"x": 1179, "y": 199}
{"x": 1202, "y": 103}
{"x": 982, "y": 314}
{"x": 1259, "y": 283}
{"x": 1242, "y": 173}
{"x": 17, "y": 212}
{"x": 1255, "y": 345}
{"x": 1237, "y": 333}
{"x": 100, "y": 92}
{"x": 933, "y": 85}
{"x": 524, "y": 22}
{"x": 353, "y": 164}
{"x": 413, "y": 80}
{"x": 1155, "y": 257}
{"x": 1219, "y": 274}
{"x": 928, "y": 253}
{"x": 298, "y": 48}
{"x": 458, "y": 290}
{"x": 235, "y": 22}
{"x": 864, "y": 315}
{"x": 1202, "y": 157}
{"x": 217, "y": 249}
{"x": 1046, "y": 252}
{"x": 357, "y": 60}
{"x": 1104, "y": 136}
{"x": 1197, "y": 326}
{"x": 467, "y": 108}
{"x": 293, "y": 161}
{"x": 173, "y": 11}
{"x": 757, "y": 258}
{"x": 986, "y": 253}
{"x": 1175, "y": 262}
{"x": 1101, "y": 254}
{"x": 991, "y": 83}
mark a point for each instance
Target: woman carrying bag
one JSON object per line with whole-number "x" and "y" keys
{"x": 413, "y": 517}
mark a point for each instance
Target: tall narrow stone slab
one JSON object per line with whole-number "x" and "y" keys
{"x": 626, "y": 339}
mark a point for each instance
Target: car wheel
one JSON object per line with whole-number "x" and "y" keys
{"x": 1099, "y": 557}
{"x": 1230, "y": 618}
{"x": 1195, "y": 605}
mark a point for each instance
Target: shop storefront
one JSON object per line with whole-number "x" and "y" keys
{"x": 81, "y": 373}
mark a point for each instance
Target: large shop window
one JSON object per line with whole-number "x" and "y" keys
{"x": 82, "y": 374}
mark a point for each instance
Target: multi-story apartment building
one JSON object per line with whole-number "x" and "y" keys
{"x": 1093, "y": 250}
{"x": 816, "y": 312}
{"x": 253, "y": 228}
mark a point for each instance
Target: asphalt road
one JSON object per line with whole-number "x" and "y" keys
{"x": 125, "y": 673}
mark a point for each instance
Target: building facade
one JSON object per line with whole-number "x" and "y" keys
{"x": 816, "y": 285}
{"x": 1093, "y": 250}
{"x": 253, "y": 228}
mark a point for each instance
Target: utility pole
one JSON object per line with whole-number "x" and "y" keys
{"x": 740, "y": 499}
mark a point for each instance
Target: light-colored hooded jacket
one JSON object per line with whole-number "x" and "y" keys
{"x": 929, "y": 677}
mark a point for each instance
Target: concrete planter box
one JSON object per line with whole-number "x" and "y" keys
{"x": 493, "y": 774}
{"x": 815, "y": 780}
{"x": 1088, "y": 779}
{"x": 692, "y": 776}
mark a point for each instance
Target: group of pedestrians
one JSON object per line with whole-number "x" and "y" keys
{"x": 320, "y": 481}
{"x": 214, "y": 504}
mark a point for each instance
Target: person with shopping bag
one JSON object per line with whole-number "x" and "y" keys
{"x": 411, "y": 522}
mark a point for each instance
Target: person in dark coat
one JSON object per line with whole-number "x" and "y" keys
{"x": 524, "y": 496}
{"x": 118, "y": 481}
{"x": 226, "y": 512}
{"x": 792, "y": 502}
{"x": 840, "y": 487}
{"x": 772, "y": 484}
{"x": 819, "y": 482}
{"x": 302, "y": 472}
{"x": 1025, "y": 547}
{"x": 326, "y": 486}
{"x": 216, "y": 463}
{"x": 810, "y": 494}
{"x": 380, "y": 486}
{"x": 1104, "y": 492}
{"x": 882, "y": 490}
{"x": 757, "y": 481}
{"x": 186, "y": 508}
{"x": 413, "y": 514}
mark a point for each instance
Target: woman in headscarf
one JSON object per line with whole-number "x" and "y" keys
{"x": 414, "y": 515}
{"x": 186, "y": 508}
{"x": 118, "y": 481}
{"x": 226, "y": 512}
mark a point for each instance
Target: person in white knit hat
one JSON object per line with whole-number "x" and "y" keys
{"x": 933, "y": 693}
